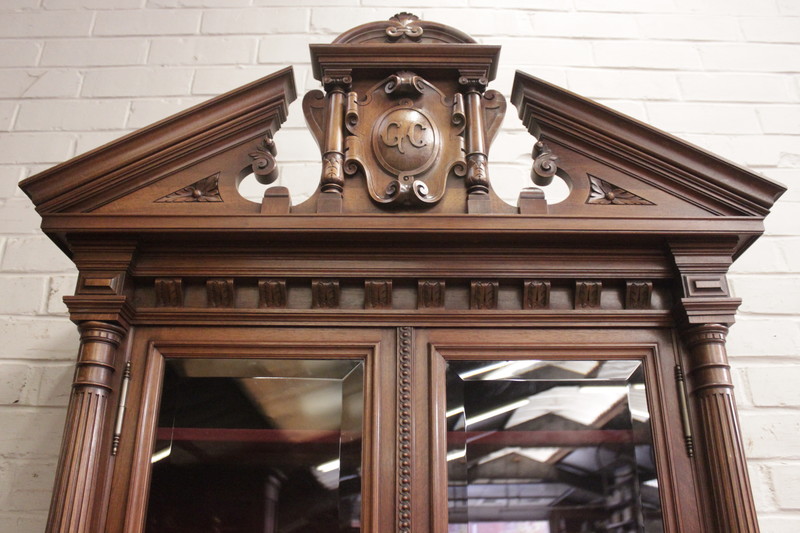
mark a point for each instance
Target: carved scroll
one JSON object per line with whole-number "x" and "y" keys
{"x": 403, "y": 27}
{"x": 264, "y": 166}
{"x": 544, "y": 165}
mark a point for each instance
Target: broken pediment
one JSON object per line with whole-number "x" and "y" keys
{"x": 404, "y": 125}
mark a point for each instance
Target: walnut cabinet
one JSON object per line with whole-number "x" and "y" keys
{"x": 403, "y": 351}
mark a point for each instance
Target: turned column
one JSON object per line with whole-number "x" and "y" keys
{"x": 708, "y": 309}
{"x": 711, "y": 386}
{"x": 477, "y": 179}
{"x": 74, "y": 506}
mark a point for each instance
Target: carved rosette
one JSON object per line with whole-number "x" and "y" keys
{"x": 204, "y": 190}
{"x": 605, "y": 193}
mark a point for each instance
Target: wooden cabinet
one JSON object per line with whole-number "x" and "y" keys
{"x": 403, "y": 351}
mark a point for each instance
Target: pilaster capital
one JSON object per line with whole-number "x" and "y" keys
{"x": 112, "y": 310}
{"x": 701, "y": 270}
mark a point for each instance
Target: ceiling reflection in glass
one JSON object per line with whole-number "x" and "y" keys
{"x": 550, "y": 446}
{"x": 267, "y": 445}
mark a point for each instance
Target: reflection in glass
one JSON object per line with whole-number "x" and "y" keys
{"x": 258, "y": 445}
{"x": 550, "y": 447}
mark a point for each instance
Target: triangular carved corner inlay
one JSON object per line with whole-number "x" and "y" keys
{"x": 605, "y": 193}
{"x": 205, "y": 190}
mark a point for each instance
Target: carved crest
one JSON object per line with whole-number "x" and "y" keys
{"x": 405, "y": 138}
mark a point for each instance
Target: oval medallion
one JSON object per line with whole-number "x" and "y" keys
{"x": 405, "y": 141}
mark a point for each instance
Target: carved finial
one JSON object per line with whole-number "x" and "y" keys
{"x": 403, "y": 26}
{"x": 264, "y": 165}
{"x": 544, "y": 165}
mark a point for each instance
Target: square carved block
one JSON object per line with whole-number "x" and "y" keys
{"x": 272, "y": 293}
{"x": 430, "y": 294}
{"x": 325, "y": 294}
{"x": 536, "y": 295}
{"x": 587, "y": 294}
{"x": 378, "y": 294}
{"x": 483, "y": 294}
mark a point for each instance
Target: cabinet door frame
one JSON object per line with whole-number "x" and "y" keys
{"x": 152, "y": 346}
{"x": 678, "y": 484}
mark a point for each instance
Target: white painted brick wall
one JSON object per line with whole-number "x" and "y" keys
{"x": 74, "y": 74}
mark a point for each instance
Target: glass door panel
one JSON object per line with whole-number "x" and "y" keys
{"x": 258, "y": 445}
{"x": 545, "y": 446}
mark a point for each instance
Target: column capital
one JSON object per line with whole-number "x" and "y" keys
{"x": 111, "y": 310}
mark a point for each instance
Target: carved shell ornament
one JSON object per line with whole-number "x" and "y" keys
{"x": 403, "y": 27}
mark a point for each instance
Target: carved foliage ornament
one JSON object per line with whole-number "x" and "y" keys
{"x": 605, "y": 193}
{"x": 205, "y": 190}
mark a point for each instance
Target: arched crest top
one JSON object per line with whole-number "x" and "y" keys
{"x": 404, "y": 27}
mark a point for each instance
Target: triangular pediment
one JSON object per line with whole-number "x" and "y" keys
{"x": 173, "y": 162}
{"x": 403, "y": 147}
{"x": 596, "y": 145}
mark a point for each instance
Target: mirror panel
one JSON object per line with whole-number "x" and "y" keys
{"x": 546, "y": 446}
{"x": 258, "y": 445}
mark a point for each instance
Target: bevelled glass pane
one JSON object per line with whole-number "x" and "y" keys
{"x": 541, "y": 446}
{"x": 258, "y": 445}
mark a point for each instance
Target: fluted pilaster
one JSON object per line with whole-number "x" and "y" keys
{"x": 712, "y": 388}
{"x": 74, "y": 505}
